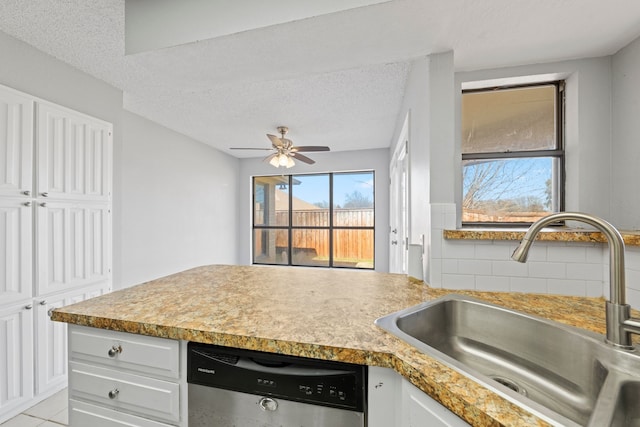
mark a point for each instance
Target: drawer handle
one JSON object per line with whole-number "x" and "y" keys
{"x": 114, "y": 393}
{"x": 115, "y": 350}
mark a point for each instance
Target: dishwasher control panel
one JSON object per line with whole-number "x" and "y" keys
{"x": 319, "y": 382}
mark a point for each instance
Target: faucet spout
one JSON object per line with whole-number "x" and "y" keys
{"x": 620, "y": 325}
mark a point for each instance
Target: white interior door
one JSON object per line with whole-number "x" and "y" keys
{"x": 399, "y": 209}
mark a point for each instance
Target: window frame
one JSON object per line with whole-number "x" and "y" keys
{"x": 557, "y": 153}
{"x": 290, "y": 228}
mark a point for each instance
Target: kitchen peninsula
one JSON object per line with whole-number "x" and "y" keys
{"x": 317, "y": 313}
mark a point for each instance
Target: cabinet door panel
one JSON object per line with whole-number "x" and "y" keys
{"x": 15, "y": 251}
{"x": 73, "y": 245}
{"x": 51, "y": 338}
{"x": 74, "y": 154}
{"x": 16, "y": 142}
{"x": 16, "y": 354}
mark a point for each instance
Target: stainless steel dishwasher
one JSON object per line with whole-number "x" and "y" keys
{"x": 241, "y": 388}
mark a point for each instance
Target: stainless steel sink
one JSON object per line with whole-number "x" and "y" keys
{"x": 552, "y": 370}
{"x": 627, "y": 409}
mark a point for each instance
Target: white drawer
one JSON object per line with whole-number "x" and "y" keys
{"x": 82, "y": 414}
{"x": 119, "y": 390}
{"x": 150, "y": 355}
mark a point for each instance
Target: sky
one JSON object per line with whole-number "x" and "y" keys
{"x": 315, "y": 188}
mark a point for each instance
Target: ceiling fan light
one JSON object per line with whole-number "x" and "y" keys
{"x": 274, "y": 162}
{"x": 290, "y": 162}
{"x": 283, "y": 159}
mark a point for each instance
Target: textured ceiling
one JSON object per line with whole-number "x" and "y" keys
{"x": 335, "y": 79}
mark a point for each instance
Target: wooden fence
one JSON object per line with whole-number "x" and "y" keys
{"x": 351, "y": 244}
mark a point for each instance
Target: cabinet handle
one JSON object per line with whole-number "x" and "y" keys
{"x": 28, "y": 306}
{"x": 115, "y": 350}
{"x": 27, "y": 204}
{"x": 43, "y": 204}
{"x": 45, "y": 194}
{"x": 26, "y": 193}
{"x": 43, "y": 302}
{"x": 114, "y": 393}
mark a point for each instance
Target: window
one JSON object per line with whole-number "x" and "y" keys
{"x": 512, "y": 154}
{"x": 323, "y": 220}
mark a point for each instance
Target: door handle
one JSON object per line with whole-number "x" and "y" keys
{"x": 394, "y": 242}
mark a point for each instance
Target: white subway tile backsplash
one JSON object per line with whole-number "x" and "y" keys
{"x": 494, "y": 251}
{"x": 548, "y": 270}
{"x": 510, "y": 268}
{"x": 457, "y": 249}
{"x": 492, "y": 284}
{"x": 595, "y": 288}
{"x": 537, "y": 253}
{"x": 633, "y": 298}
{"x": 436, "y": 245}
{"x": 474, "y": 266}
{"x": 585, "y": 271}
{"x": 567, "y": 287}
{"x": 458, "y": 281}
{"x": 449, "y": 266}
{"x": 552, "y": 267}
{"x": 529, "y": 285}
{"x": 563, "y": 253}
{"x": 632, "y": 277}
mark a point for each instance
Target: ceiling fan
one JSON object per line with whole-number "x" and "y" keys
{"x": 285, "y": 151}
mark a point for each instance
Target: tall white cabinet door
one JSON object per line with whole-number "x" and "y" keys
{"x": 73, "y": 245}
{"x": 15, "y": 250}
{"x": 73, "y": 155}
{"x": 16, "y": 143}
{"x": 51, "y": 340}
{"x": 16, "y": 369}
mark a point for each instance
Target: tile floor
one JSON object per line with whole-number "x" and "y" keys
{"x": 51, "y": 412}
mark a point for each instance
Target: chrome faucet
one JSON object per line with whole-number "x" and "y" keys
{"x": 620, "y": 324}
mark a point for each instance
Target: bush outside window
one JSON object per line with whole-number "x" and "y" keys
{"x": 322, "y": 220}
{"x": 512, "y": 154}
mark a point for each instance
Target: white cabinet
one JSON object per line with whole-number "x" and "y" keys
{"x": 55, "y": 236}
{"x": 51, "y": 344}
{"x": 112, "y": 372}
{"x": 73, "y": 245}
{"x": 73, "y": 154}
{"x": 16, "y": 141}
{"x": 16, "y": 354}
{"x": 16, "y": 282}
{"x": 394, "y": 401}
{"x": 418, "y": 410}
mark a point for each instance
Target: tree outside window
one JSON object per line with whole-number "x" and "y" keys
{"x": 512, "y": 155}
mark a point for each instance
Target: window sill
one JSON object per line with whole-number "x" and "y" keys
{"x": 631, "y": 238}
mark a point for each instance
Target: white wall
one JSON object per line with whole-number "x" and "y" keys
{"x": 626, "y": 137}
{"x": 178, "y": 202}
{"x": 625, "y": 153}
{"x": 376, "y": 160}
{"x": 429, "y": 102}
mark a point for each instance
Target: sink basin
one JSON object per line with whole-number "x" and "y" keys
{"x": 552, "y": 370}
{"x": 627, "y": 409}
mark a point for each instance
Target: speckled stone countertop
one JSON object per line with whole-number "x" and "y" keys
{"x": 560, "y": 234}
{"x": 319, "y": 313}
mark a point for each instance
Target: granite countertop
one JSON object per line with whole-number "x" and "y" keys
{"x": 318, "y": 313}
{"x": 550, "y": 234}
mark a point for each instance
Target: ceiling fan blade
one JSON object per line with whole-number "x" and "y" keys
{"x": 247, "y": 148}
{"x": 302, "y": 158}
{"x": 277, "y": 142}
{"x": 310, "y": 148}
